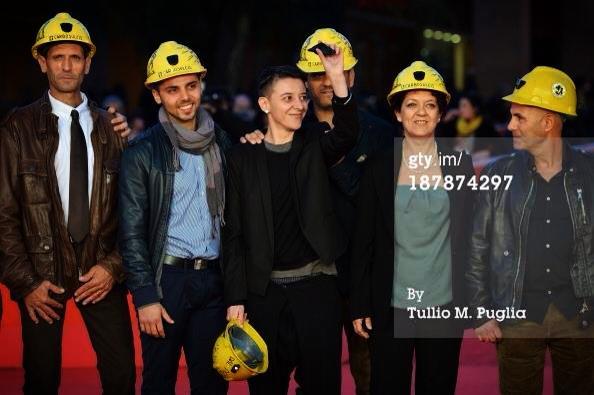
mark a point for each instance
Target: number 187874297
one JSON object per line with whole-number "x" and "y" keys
{"x": 459, "y": 182}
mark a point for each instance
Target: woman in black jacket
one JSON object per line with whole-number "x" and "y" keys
{"x": 282, "y": 236}
{"x": 410, "y": 244}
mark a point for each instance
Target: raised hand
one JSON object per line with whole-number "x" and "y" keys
{"x": 334, "y": 66}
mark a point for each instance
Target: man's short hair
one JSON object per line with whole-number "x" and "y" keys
{"x": 271, "y": 74}
{"x": 43, "y": 49}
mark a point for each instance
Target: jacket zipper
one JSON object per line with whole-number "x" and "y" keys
{"x": 520, "y": 247}
{"x": 569, "y": 205}
{"x": 569, "y": 201}
{"x": 579, "y": 192}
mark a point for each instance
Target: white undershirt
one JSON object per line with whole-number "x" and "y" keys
{"x": 62, "y": 160}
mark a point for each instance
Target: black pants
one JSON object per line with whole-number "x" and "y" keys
{"x": 110, "y": 331}
{"x": 301, "y": 325}
{"x": 436, "y": 359}
{"x": 194, "y": 301}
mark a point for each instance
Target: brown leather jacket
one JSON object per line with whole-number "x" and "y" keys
{"x": 34, "y": 242}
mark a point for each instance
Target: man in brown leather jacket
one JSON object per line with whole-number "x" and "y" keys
{"x": 59, "y": 162}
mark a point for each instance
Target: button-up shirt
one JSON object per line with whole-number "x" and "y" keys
{"x": 549, "y": 252}
{"x": 62, "y": 160}
{"x": 190, "y": 232}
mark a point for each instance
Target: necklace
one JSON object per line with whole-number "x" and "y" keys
{"x": 422, "y": 162}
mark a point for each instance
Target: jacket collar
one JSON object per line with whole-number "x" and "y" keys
{"x": 46, "y": 116}
{"x": 568, "y": 158}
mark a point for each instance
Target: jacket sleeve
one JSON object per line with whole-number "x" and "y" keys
{"x": 234, "y": 272}
{"x": 478, "y": 270}
{"x": 133, "y": 225}
{"x": 112, "y": 262}
{"x": 16, "y": 269}
{"x": 347, "y": 173}
{"x": 337, "y": 142}
{"x": 363, "y": 243}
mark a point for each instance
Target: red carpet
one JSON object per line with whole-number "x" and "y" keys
{"x": 477, "y": 375}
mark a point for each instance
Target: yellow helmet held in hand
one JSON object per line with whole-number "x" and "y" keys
{"x": 310, "y": 62}
{"x": 62, "y": 27}
{"x": 170, "y": 60}
{"x": 419, "y": 75}
{"x": 548, "y": 88}
{"x": 239, "y": 352}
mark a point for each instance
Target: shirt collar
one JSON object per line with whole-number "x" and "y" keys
{"x": 64, "y": 110}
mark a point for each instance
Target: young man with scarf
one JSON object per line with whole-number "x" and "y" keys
{"x": 172, "y": 197}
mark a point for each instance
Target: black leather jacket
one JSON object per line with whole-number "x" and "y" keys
{"x": 145, "y": 193}
{"x": 497, "y": 257}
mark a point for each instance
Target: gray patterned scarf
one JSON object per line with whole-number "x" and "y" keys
{"x": 201, "y": 141}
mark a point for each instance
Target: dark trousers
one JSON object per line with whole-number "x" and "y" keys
{"x": 301, "y": 325}
{"x": 194, "y": 301}
{"x": 436, "y": 358}
{"x": 110, "y": 331}
{"x": 359, "y": 362}
{"x": 521, "y": 356}
{"x": 358, "y": 347}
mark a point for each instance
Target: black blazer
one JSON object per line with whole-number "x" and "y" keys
{"x": 248, "y": 238}
{"x": 372, "y": 262}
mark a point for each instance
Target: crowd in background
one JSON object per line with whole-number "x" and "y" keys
{"x": 237, "y": 113}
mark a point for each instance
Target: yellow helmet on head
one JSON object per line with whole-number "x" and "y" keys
{"x": 170, "y": 60}
{"x": 548, "y": 88}
{"x": 239, "y": 352}
{"x": 418, "y": 75}
{"x": 62, "y": 27}
{"x": 310, "y": 62}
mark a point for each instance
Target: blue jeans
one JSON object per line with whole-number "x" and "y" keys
{"x": 194, "y": 300}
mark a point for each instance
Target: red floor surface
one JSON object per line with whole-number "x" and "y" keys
{"x": 477, "y": 373}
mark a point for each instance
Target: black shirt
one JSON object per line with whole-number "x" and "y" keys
{"x": 291, "y": 248}
{"x": 549, "y": 252}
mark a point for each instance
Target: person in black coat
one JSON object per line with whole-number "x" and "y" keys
{"x": 409, "y": 247}
{"x": 282, "y": 235}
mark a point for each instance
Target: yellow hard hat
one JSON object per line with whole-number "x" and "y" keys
{"x": 545, "y": 87}
{"x": 170, "y": 60}
{"x": 310, "y": 62}
{"x": 418, "y": 75}
{"x": 62, "y": 27}
{"x": 239, "y": 352}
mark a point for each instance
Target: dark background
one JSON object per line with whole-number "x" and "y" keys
{"x": 501, "y": 41}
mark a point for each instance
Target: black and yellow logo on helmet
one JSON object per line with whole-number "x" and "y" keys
{"x": 558, "y": 89}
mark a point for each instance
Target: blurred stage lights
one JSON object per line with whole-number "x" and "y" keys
{"x": 454, "y": 38}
